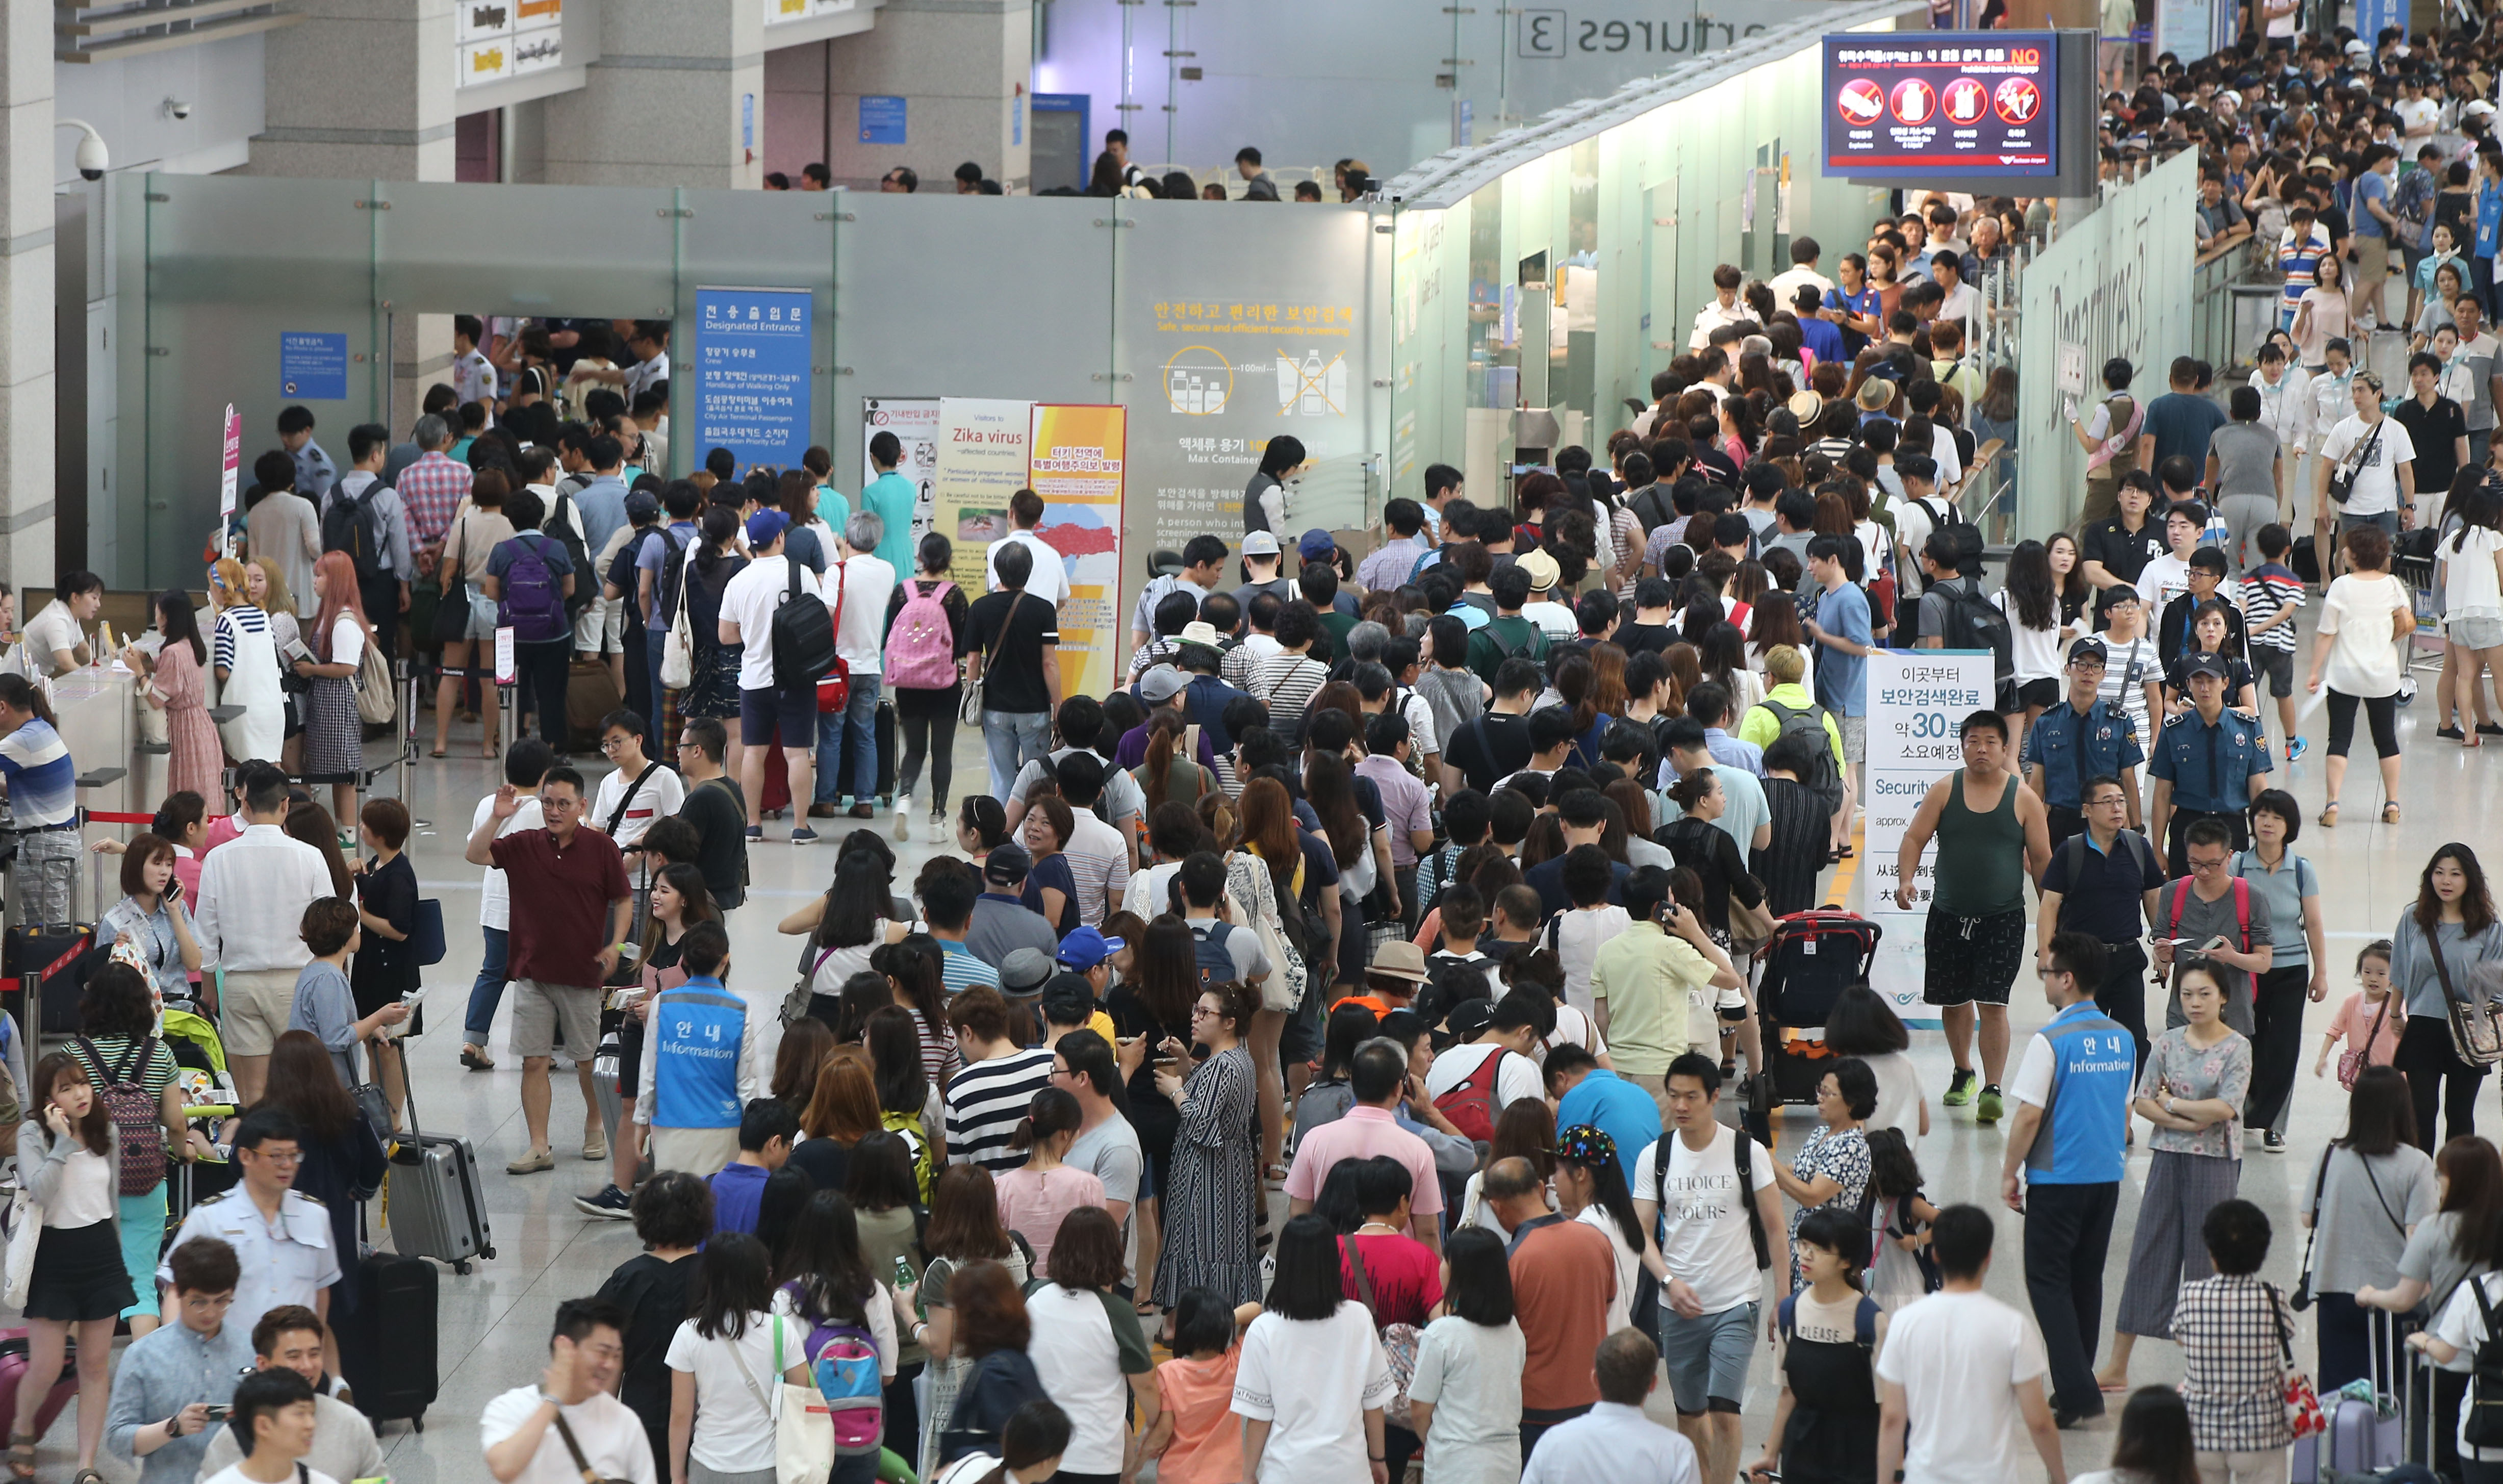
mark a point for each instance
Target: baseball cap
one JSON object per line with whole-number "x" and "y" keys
{"x": 1469, "y": 1018}
{"x": 1162, "y": 683}
{"x": 764, "y": 526}
{"x": 2203, "y": 665}
{"x": 1087, "y": 947}
{"x": 2478, "y": 106}
{"x": 1315, "y": 545}
{"x": 2089, "y": 648}
{"x": 1261, "y": 543}
{"x": 1395, "y": 959}
{"x": 1023, "y": 971}
{"x": 1541, "y": 570}
{"x": 1007, "y": 865}
{"x": 2355, "y": 43}
{"x": 1068, "y": 1000}
{"x": 641, "y": 506}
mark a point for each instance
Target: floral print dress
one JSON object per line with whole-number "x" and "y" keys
{"x": 1841, "y": 1157}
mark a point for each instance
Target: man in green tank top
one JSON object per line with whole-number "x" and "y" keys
{"x": 1992, "y": 836}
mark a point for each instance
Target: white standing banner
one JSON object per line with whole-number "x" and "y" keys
{"x": 1917, "y": 699}
{"x": 915, "y": 421}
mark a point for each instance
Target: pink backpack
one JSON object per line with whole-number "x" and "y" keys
{"x": 921, "y": 648}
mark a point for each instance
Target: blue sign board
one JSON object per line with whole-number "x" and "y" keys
{"x": 881, "y": 119}
{"x": 2372, "y": 15}
{"x": 312, "y": 367}
{"x": 752, "y": 394}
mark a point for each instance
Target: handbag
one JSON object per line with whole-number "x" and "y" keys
{"x": 426, "y": 935}
{"x": 2341, "y": 479}
{"x": 2475, "y": 1037}
{"x": 678, "y": 649}
{"x": 803, "y": 1426}
{"x": 969, "y": 708}
{"x": 450, "y": 623}
{"x": 835, "y": 686}
{"x": 2352, "y": 1060}
{"x": 26, "y": 1235}
{"x": 2303, "y": 1411}
{"x": 1398, "y": 1342}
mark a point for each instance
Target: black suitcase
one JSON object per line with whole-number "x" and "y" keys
{"x": 883, "y": 729}
{"x": 51, "y": 963}
{"x": 386, "y": 1337}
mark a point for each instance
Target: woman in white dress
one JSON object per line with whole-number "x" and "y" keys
{"x": 245, "y": 654}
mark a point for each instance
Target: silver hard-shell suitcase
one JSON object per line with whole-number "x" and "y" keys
{"x": 434, "y": 1204}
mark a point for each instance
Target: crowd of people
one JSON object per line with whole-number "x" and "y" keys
{"x": 1358, "y": 1002}
{"x": 1115, "y": 174}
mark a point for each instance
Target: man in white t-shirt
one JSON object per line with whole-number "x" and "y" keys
{"x": 1709, "y": 1243}
{"x": 638, "y": 792}
{"x": 1050, "y": 578}
{"x": 769, "y": 713}
{"x": 585, "y": 1355}
{"x": 857, "y": 585}
{"x": 1962, "y": 1368}
{"x": 274, "y": 1409}
{"x": 2375, "y": 448}
{"x": 526, "y": 763}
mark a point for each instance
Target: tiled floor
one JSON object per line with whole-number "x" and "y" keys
{"x": 494, "y": 1320}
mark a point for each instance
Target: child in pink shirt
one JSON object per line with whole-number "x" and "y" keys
{"x": 1196, "y": 1438}
{"x": 2370, "y": 1011}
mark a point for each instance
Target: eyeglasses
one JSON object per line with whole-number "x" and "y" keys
{"x": 292, "y": 1157}
{"x": 613, "y": 744}
{"x": 2216, "y": 863}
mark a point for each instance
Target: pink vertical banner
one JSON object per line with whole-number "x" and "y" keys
{"x": 226, "y": 483}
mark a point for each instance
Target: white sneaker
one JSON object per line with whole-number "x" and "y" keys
{"x": 904, "y": 817}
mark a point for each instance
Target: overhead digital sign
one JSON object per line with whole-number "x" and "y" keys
{"x": 1976, "y": 105}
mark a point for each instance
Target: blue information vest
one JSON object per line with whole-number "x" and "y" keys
{"x": 2093, "y": 1068}
{"x": 696, "y": 1030}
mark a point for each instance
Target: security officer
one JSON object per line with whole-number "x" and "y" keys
{"x": 2208, "y": 763}
{"x": 2079, "y": 738}
{"x": 281, "y": 1235}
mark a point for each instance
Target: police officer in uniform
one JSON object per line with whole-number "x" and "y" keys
{"x": 280, "y": 1236}
{"x": 2079, "y": 738}
{"x": 2209, "y": 762}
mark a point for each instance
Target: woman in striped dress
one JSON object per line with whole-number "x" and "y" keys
{"x": 334, "y": 737}
{"x": 1215, "y": 1184}
{"x": 246, "y": 659}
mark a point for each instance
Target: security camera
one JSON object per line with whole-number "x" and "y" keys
{"x": 93, "y": 159}
{"x": 180, "y": 108}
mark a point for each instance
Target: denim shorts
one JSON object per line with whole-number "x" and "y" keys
{"x": 1706, "y": 1356}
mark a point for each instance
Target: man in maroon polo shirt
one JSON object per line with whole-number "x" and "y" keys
{"x": 571, "y": 911}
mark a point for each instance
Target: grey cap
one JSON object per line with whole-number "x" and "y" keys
{"x": 1162, "y": 683}
{"x": 1023, "y": 972}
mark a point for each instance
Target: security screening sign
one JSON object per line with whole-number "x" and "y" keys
{"x": 1971, "y": 105}
{"x": 1917, "y": 699}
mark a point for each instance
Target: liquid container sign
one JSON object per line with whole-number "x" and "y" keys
{"x": 1965, "y": 105}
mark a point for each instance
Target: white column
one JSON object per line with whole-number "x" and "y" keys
{"x": 26, "y": 287}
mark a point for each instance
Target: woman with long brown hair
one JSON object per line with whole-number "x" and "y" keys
{"x": 474, "y": 535}
{"x": 1577, "y": 682}
{"x": 1338, "y": 696}
{"x": 334, "y": 736}
{"x": 69, "y": 1154}
{"x": 312, "y": 824}
{"x": 1777, "y": 622}
{"x": 1277, "y": 919}
{"x": 1685, "y": 673}
{"x": 1359, "y": 846}
{"x": 991, "y": 1330}
{"x": 2435, "y": 952}
{"x": 800, "y": 1061}
{"x": 1608, "y": 676}
{"x": 343, "y": 1160}
{"x": 842, "y": 1111}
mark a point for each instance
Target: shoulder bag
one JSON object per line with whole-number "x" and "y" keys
{"x": 2352, "y": 1059}
{"x": 2302, "y": 1413}
{"x": 581, "y": 1465}
{"x": 1398, "y": 1341}
{"x": 2302, "y": 1299}
{"x": 2341, "y": 479}
{"x": 452, "y": 609}
{"x": 968, "y": 710}
{"x": 2475, "y": 1037}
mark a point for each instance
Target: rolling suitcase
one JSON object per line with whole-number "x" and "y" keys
{"x": 12, "y": 1367}
{"x": 394, "y": 1296}
{"x": 2365, "y": 1439}
{"x": 434, "y": 1205}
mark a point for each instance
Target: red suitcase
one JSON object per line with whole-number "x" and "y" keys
{"x": 12, "y": 1366}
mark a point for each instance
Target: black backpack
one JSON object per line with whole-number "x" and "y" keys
{"x": 354, "y": 524}
{"x": 1823, "y": 778}
{"x": 586, "y": 582}
{"x": 1975, "y": 622}
{"x": 803, "y": 635}
{"x": 2482, "y": 1428}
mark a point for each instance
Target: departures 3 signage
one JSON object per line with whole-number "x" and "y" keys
{"x": 1556, "y": 32}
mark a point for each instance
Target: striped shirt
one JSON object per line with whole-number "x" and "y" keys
{"x": 2268, "y": 589}
{"x": 242, "y": 618}
{"x": 2127, "y": 667}
{"x": 1099, "y": 863}
{"x": 43, "y": 781}
{"x": 1286, "y": 683}
{"x": 986, "y": 1101}
{"x": 959, "y": 969}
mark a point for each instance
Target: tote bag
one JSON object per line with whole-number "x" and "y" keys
{"x": 803, "y": 1426}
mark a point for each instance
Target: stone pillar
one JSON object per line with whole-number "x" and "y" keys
{"x": 963, "y": 68}
{"x": 363, "y": 88}
{"x": 26, "y": 356}
{"x": 663, "y": 105}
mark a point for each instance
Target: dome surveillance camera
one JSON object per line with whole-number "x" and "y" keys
{"x": 180, "y": 108}
{"x": 93, "y": 159}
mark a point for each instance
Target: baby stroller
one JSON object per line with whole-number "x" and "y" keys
{"x": 1810, "y": 959}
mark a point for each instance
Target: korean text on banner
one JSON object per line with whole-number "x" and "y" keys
{"x": 226, "y": 480}
{"x": 1074, "y": 462}
{"x": 981, "y": 465}
{"x": 1917, "y": 699}
{"x": 914, "y": 422}
{"x": 752, "y": 374}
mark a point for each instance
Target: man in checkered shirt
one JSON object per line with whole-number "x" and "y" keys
{"x": 431, "y": 489}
